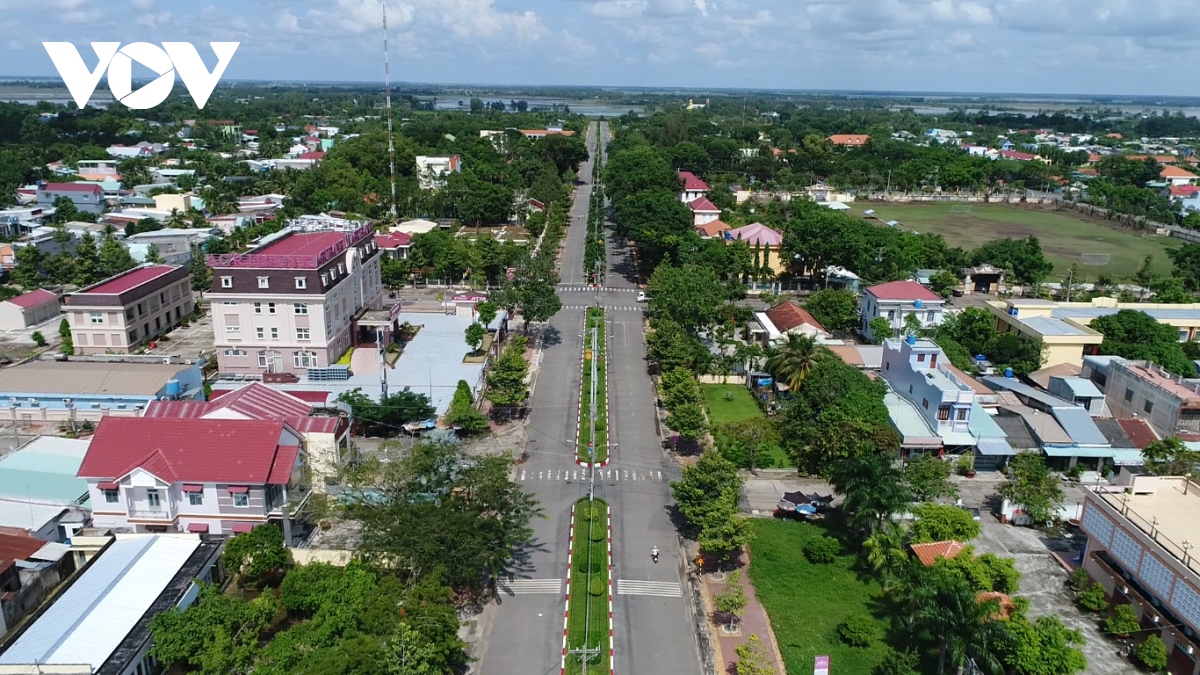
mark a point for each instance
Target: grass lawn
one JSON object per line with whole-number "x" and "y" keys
{"x": 1064, "y": 234}
{"x": 589, "y": 611}
{"x": 806, "y": 602}
{"x": 727, "y": 403}
{"x": 595, "y": 318}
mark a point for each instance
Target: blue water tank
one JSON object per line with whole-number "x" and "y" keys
{"x": 174, "y": 389}
{"x": 918, "y": 304}
{"x": 1012, "y": 311}
{"x": 1008, "y": 373}
{"x": 912, "y": 339}
{"x": 980, "y": 357}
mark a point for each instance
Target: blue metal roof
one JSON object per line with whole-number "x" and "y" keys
{"x": 1017, "y": 387}
{"x": 1079, "y": 425}
{"x": 1083, "y": 387}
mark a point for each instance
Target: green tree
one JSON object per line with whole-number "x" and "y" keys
{"x": 636, "y": 170}
{"x": 791, "y": 361}
{"x": 257, "y": 555}
{"x": 688, "y": 421}
{"x": 1170, "y": 457}
{"x": 1152, "y": 653}
{"x": 688, "y": 295}
{"x": 984, "y": 573}
{"x": 394, "y": 272}
{"x": 462, "y": 414}
{"x": 943, "y": 283}
{"x": 1023, "y": 256}
{"x": 1093, "y": 598}
{"x": 1030, "y": 484}
{"x": 153, "y": 256}
{"x": 1138, "y": 336}
{"x": 753, "y": 658}
{"x": 741, "y": 441}
{"x": 679, "y": 387}
{"x": 1012, "y": 350}
{"x": 1145, "y": 276}
{"x": 387, "y": 418}
{"x": 732, "y": 601}
{"x": 87, "y": 260}
{"x": 65, "y": 210}
{"x": 672, "y": 347}
{"x": 1171, "y": 291}
{"x": 880, "y": 329}
{"x": 201, "y": 272}
{"x": 947, "y": 609}
{"x": 486, "y": 312}
{"x": 64, "y": 328}
{"x": 30, "y": 270}
{"x": 928, "y": 478}
{"x": 114, "y": 258}
{"x": 218, "y": 635}
{"x": 1123, "y": 622}
{"x": 873, "y": 490}
{"x": 708, "y": 487}
{"x": 973, "y": 328}
{"x": 886, "y": 551}
{"x": 475, "y": 334}
{"x": 939, "y": 522}
{"x": 1042, "y": 647}
{"x": 836, "y": 309}
{"x": 506, "y": 378}
{"x": 899, "y": 663}
{"x": 38, "y": 338}
{"x": 410, "y": 653}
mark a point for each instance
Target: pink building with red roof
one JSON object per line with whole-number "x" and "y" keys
{"x": 693, "y": 187}
{"x": 28, "y": 309}
{"x": 216, "y": 476}
{"x": 896, "y": 301}
{"x": 123, "y": 312}
{"x": 704, "y": 211}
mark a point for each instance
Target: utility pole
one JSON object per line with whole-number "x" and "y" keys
{"x": 387, "y": 85}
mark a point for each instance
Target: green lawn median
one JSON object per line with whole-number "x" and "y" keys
{"x": 587, "y": 618}
{"x": 595, "y": 319}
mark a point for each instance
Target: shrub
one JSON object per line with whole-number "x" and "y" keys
{"x": 858, "y": 630}
{"x": 899, "y": 663}
{"x": 1078, "y": 579}
{"x": 822, "y": 550}
{"x": 1092, "y": 598}
{"x": 583, "y": 565}
{"x": 1124, "y": 620}
{"x": 597, "y": 586}
{"x": 38, "y": 338}
{"x": 964, "y": 465}
{"x": 1152, "y": 653}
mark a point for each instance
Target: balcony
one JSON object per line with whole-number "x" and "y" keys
{"x": 151, "y": 514}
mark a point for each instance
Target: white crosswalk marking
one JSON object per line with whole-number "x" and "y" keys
{"x": 663, "y": 589}
{"x": 633, "y": 308}
{"x": 528, "y": 586}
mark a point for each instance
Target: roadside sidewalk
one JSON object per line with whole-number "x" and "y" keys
{"x": 754, "y": 622}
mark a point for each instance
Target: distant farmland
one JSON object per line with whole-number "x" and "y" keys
{"x": 1064, "y": 235}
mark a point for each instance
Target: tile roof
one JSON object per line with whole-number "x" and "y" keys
{"x": 1175, "y": 172}
{"x": 692, "y": 182}
{"x": 127, "y": 280}
{"x": 1020, "y": 156}
{"x": 1140, "y": 433}
{"x": 393, "y": 240}
{"x": 37, "y": 296}
{"x": 72, "y": 187}
{"x": 712, "y": 229}
{"x": 18, "y": 547}
{"x": 902, "y": 290}
{"x": 787, "y": 315}
{"x": 192, "y": 450}
{"x": 756, "y": 233}
{"x": 929, "y": 553}
{"x": 849, "y": 139}
{"x": 704, "y": 205}
{"x": 316, "y": 154}
{"x": 1182, "y": 190}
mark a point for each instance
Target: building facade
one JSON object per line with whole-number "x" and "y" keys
{"x": 896, "y": 301}
{"x": 433, "y": 169}
{"x": 87, "y": 197}
{"x": 123, "y": 312}
{"x": 288, "y": 305}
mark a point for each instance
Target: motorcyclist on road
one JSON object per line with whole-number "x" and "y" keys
{"x": 654, "y": 553}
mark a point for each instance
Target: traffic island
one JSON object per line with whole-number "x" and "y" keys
{"x": 587, "y": 629}
{"x": 592, "y": 430}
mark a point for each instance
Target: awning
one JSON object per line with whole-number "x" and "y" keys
{"x": 197, "y": 527}
{"x": 1076, "y": 451}
{"x": 187, "y": 487}
{"x": 238, "y": 489}
{"x": 994, "y": 446}
{"x": 108, "y": 485}
{"x": 240, "y": 528}
{"x": 1127, "y": 457}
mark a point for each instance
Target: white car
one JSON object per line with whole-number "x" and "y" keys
{"x": 641, "y": 297}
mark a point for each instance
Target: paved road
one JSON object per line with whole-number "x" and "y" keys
{"x": 652, "y": 626}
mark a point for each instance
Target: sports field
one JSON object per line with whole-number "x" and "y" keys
{"x": 1064, "y": 235}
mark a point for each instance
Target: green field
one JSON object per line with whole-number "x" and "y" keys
{"x": 806, "y": 602}
{"x": 587, "y": 622}
{"x": 1064, "y": 234}
{"x": 727, "y": 403}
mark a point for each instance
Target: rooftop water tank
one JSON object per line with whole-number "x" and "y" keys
{"x": 911, "y": 339}
{"x": 1008, "y": 373}
{"x": 174, "y": 389}
{"x": 918, "y": 304}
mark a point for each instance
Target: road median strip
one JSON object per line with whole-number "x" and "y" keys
{"x": 588, "y": 616}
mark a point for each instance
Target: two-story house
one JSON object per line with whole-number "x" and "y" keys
{"x": 433, "y": 169}
{"x": 693, "y": 187}
{"x": 215, "y": 476}
{"x": 124, "y": 311}
{"x": 895, "y": 301}
{"x": 917, "y": 371}
{"x": 290, "y": 304}
{"x": 87, "y": 197}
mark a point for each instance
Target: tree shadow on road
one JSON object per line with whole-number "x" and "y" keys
{"x": 551, "y": 336}
{"x": 520, "y": 567}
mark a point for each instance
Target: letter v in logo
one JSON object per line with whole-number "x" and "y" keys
{"x": 79, "y": 80}
{"x": 199, "y": 82}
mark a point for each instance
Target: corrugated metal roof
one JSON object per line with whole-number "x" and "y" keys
{"x": 1047, "y": 325}
{"x": 89, "y": 620}
{"x": 1078, "y": 423}
{"x": 1045, "y": 429}
{"x": 1015, "y": 431}
{"x": 87, "y": 377}
{"x": 909, "y": 423}
{"x": 43, "y": 471}
{"x": 1083, "y": 387}
{"x": 994, "y": 446}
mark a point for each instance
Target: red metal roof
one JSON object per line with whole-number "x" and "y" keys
{"x": 691, "y": 181}
{"x": 34, "y": 298}
{"x": 314, "y": 397}
{"x": 128, "y": 280}
{"x": 303, "y": 243}
{"x": 18, "y": 547}
{"x": 72, "y": 187}
{"x": 1139, "y": 433}
{"x": 315, "y": 154}
{"x": 902, "y": 290}
{"x": 787, "y": 315}
{"x": 702, "y": 204}
{"x": 393, "y": 240}
{"x": 281, "y": 468}
{"x": 258, "y": 401}
{"x": 1182, "y": 190}
{"x": 191, "y": 450}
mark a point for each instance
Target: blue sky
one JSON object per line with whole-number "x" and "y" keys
{"x": 1134, "y": 47}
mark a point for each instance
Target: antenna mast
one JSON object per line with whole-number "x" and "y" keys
{"x": 387, "y": 85}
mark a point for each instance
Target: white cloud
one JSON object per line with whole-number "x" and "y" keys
{"x": 155, "y": 20}
{"x": 144, "y": 5}
{"x": 615, "y": 9}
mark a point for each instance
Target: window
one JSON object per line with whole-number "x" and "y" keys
{"x": 301, "y": 282}
{"x": 920, "y": 358}
{"x": 258, "y": 308}
{"x": 111, "y": 496}
{"x": 303, "y": 334}
{"x": 324, "y": 279}
{"x": 274, "y": 333}
{"x": 341, "y": 268}
{"x": 943, "y": 412}
{"x": 236, "y": 352}
{"x": 196, "y": 498}
{"x": 305, "y": 359}
{"x": 891, "y": 315}
{"x": 241, "y": 499}
{"x": 1128, "y": 395}
{"x": 910, "y": 388}
{"x": 264, "y": 282}
{"x": 260, "y": 332}
{"x": 233, "y": 329}
{"x": 226, "y": 282}
{"x": 262, "y": 359}
{"x": 300, "y": 308}
{"x": 153, "y": 499}
{"x": 270, "y": 308}
{"x": 929, "y": 317}
{"x": 230, "y": 303}
{"x": 925, "y": 403}
{"x": 1148, "y": 406}
{"x": 962, "y": 414}
{"x": 96, "y": 317}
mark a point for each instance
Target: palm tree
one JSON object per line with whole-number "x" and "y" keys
{"x": 873, "y": 490}
{"x": 176, "y": 220}
{"x": 886, "y": 553}
{"x": 947, "y": 609}
{"x": 791, "y": 361}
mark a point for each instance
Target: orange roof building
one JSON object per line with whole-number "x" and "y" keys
{"x": 713, "y": 228}
{"x": 852, "y": 140}
{"x": 929, "y": 553}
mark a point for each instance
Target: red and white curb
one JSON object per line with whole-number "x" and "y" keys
{"x": 567, "y": 605}
{"x": 612, "y": 661}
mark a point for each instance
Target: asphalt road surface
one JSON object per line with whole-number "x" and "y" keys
{"x": 652, "y": 627}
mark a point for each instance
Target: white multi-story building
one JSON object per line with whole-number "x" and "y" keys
{"x": 433, "y": 169}
{"x": 895, "y": 301}
{"x": 293, "y": 302}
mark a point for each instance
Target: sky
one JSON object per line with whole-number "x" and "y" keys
{"x": 1106, "y": 47}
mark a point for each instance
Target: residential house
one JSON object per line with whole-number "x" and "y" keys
{"x": 433, "y": 169}
{"x": 183, "y": 203}
{"x": 693, "y": 187}
{"x": 536, "y": 134}
{"x": 1169, "y": 403}
{"x": 86, "y": 197}
{"x": 849, "y": 140}
{"x": 897, "y": 300}
{"x": 28, "y": 309}
{"x": 916, "y": 371}
{"x": 97, "y": 169}
{"x": 1137, "y": 549}
{"x": 75, "y": 391}
{"x": 1187, "y": 196}
{"x": 30, "y": 569}
{"x": 704, "y": 211}
{"x": 214, "y": 476}
{"x": 1174, "y": 175}
{"x": 129, "y": 152}
{"x": 125, "y": 311}
{"x": 292, "y": 303}
{"x": 394, "y": 244}
{"x": 985, "y": 278}
{"x": 713, "y": 228}
{"x": 789, "y": 318}
{"x": 768, "y": 241}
